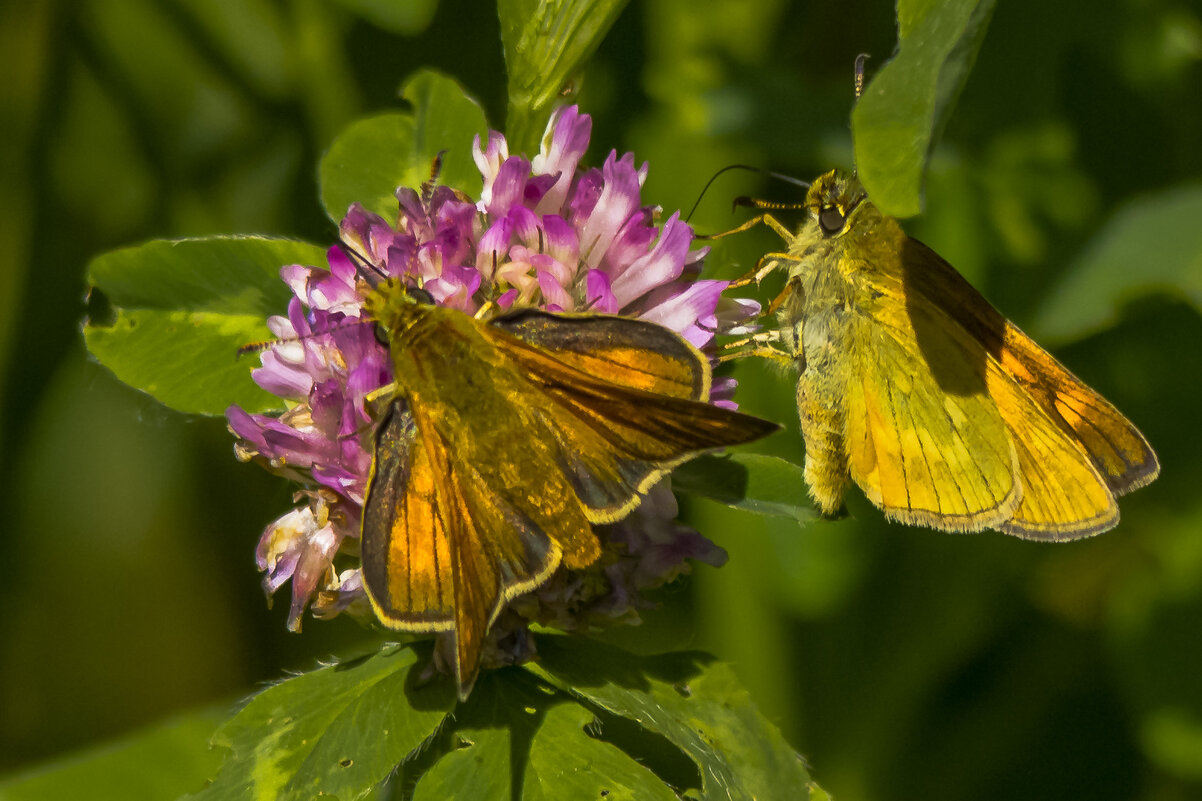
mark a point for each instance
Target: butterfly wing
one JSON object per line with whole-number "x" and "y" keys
{"x": 622, "y": 399}
{"x": 1117, "y": 448}
{"x": 1076, "y": 450}
{"x": 406, "y": 547}
{"x": 986, "y": 455}
{"x": 634, "y": 353}
{"x": 950, "y": 395}
{"x": 515, "y": 447}
{"x": 930, "y": 448}
{"x": 1063, "y": 495}
{"x": 447, "y": 541}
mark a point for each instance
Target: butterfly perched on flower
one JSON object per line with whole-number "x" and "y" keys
{"x": 505, "y": 440}
{"x": 536, "y": 370}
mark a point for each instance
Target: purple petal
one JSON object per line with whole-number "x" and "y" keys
{"x": 619, "y": 199}
{"x": 560, "y": 272}
{"x": 630, "y": 243}
{"x": 245, "y": 426}
{"x": 737, "y": 315}
{"x": 510, "y": 186}
{"x": 583, "y": 197}
{"x": 560, "y": 241}
{"x": 659, "y": 266}
{"x": 494, "y": 246}
{"x": 563, "y": 145}
{"x": 556, "y": 297}
{"x": 723, "y": 391}
{"x": 600, "y": 298}
{"x": 489, "y": 162}
{"x": 689, "y": 312}
{"x": 368, "y": 233}
{"x": 280, "y": 378}
{"x": 526, "y": 225}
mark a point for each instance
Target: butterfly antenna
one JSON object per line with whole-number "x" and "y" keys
{"x": 435, "y": 171}
{"x": 769, "y": 173}
{"x": 364, "y": 264}
{"x": 860, "y": 59}
{"x": 259, "y": 347}
{"x": 859, "y": 68}
{"x": 743, "y": 201}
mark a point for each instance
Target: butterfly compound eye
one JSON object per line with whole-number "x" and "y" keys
{"x": 421, "y": 296}
{"x": 831, "y": 220}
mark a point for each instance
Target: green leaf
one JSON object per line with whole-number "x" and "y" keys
{"x": 519, "y": 737}
{"x": 545, "y": 45}
{"x": 234, "y": 274}
{"x": 617, "y": 727}
{"x": 185, "y": 360}
{"x": 694, "y": 703}
{"x": 374, "y": 156}
{"x": 336, "y": 732}
{"x": 478, "y": 767}
{"x": 407, "y": 19}
{"x": 905, "y": 106}
{"x": 766, "y": 485}
{"x": 1153, "y": 244}
{"x": 164, "y": 761}
{"x": 491, "y": 739}
{"x": 592, "y": 721}
{"x": 183, "y": 308}
{"x": 566, "y": 762}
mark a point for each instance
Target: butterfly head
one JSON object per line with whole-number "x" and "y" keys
{"x": 393, "y": 306}
{"x": 833, "y": 201}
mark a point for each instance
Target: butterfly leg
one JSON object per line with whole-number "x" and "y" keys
{"x": 764, "y": 345}
{"x": 769, "y": 261}
{"x": 767, "y": 264}
{"x": 773, "y": 344}
{"x": 760, "y": 219}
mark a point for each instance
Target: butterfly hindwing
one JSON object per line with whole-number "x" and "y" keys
{"x": 406, "y": 547}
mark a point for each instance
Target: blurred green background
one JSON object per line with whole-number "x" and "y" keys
{"x": 903, "y": 663}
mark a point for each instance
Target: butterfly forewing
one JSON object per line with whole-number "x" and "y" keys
{"x": 1119, "y": 451}
{"x": 633, "y": 353}
{"x": 1064, "y": 493}
{"x": 620, "y": 422}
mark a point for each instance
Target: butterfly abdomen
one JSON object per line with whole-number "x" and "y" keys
{"x": 816, "y": 325}
{"x": 822, "y": 427}
{"x": 822, "y": 336}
